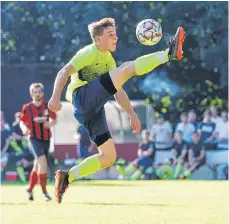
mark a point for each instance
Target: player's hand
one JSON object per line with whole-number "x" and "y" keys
{"x": 47, "y": 125}
{"x": 54, "y": 104}
{"x": 135, "y": 124}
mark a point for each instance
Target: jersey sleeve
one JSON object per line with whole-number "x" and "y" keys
{"x": 82, "y": 58}
{"x": 24, "y": 114}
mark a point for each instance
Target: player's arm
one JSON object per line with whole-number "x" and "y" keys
{"x": 124, "y": 102}
{"x": 82, "y": 58}
{"x": 23, "y": 124}
{"x": 6, "y": 146}
{"x": 139, "y": 150}
{"x": 53, "y": 121}
{"x": 61, "y": 80}
{"x": 148, "y": 152}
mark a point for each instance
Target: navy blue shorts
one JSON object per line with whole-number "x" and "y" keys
{"x": 144, "y": 162}
{"x": 89, "y": 101}
{"x": 38, "y": 147}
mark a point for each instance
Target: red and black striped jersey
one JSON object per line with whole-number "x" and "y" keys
{"x": 34, "y": 118}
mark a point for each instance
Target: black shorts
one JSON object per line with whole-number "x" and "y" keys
{"x": 39, "y": 147}
{"x": 198, "y": 162}
{"x": 89, "y": 101}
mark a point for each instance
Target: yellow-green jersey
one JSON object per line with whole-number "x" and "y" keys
{"x": 89, "y": 63}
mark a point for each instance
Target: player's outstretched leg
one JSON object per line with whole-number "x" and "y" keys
{"x": 147, "y": 63}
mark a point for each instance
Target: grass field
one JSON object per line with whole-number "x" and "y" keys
{"x": 116, "y": 202}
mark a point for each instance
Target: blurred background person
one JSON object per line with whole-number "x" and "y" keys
{"x": 215, "y": 118}
{"x": 196, "y": 155}
{"x": 185, "y": 127}
{"x": 179, "y": 153}
{"x": 146, "y": 155}
{"x": 192, "y": 118}
{"x": 161, "y": 133}
{"x": 221, "y": 132}
{"x": 206, "y": 129}
{"x": 84, "y": 143}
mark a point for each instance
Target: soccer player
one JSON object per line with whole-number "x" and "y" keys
{"x": 94, "y": 80}
{"x": 35, "y": 122}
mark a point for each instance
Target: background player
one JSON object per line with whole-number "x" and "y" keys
{"x": 35, "y": 117}
{"x": 92, "y": 85}
{"x": 146, "y": 156}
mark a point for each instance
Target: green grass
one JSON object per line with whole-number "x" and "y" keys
{"x": 120, "y": 202}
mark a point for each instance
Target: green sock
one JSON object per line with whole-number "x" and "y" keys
{"x": 21, "y": 174}
{"x": 24, "y": 144}
{"x": 168, "y": 172}
{"x": 129, "y": 169}
{"x": 187, "y": 173}
{"x": 178, "y": 170}
{"x": 159, "y": 173}
{"x": 88, "y": 166}
{"x": 147, "y": 63}
{"x": 15, "y": 146}
{"x": 120, "y": 170}
{"x": 136, "y": 175}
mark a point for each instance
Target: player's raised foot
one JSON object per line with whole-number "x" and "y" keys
{"x": 176, "y": 44}
{"x": 61, "y": 184}
{"x": 47, "y": 197}
{"x": 30, "y": 195}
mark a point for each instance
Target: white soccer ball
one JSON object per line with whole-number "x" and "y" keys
{"x": 149, "y": 32}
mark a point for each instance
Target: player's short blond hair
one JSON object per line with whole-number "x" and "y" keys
{"x": 97, "y": 28}
{"x": 36, "y": 85}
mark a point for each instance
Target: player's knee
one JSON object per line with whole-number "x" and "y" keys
{"x": 42, "y": 161}
{"x": 128, "y": 68}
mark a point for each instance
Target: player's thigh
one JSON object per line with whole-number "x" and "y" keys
{"x": 96, "y": 124}
{"x": 121, "y": 74}
{"x": 36, "y": 147}
{"x": 42, "y": 161}
{"x": 92, "y": 97}
{"x": 145, "y": 162}
{"x": 46, "y": 145}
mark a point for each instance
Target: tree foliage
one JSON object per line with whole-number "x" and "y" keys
{"x": 51, "y": 32}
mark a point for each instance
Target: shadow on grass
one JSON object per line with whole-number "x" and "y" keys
{"x": 82, "y": 183}
{"x": 13, "y": 203}
{"x": 121, "y": 204}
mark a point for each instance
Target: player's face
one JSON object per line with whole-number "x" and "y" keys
{"x": 37, "y": 94}
{"x": 145, "y": 136}
{"x": 108, "y": 39}
{"x": 207, "y": 117}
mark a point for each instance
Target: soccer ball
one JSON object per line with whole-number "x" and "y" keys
{"x": 149, "y": 32}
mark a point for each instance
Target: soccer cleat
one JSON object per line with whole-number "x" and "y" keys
{"x": 47, "y": 197}
{"x": 61, "y": 184}
{"x": 175, "y": 45}
{"x": 30, "y": 195}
